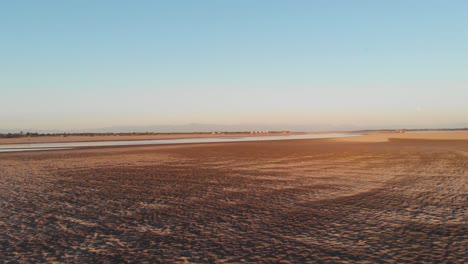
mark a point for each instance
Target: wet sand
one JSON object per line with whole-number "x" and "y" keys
{"x": 283, "y": 201}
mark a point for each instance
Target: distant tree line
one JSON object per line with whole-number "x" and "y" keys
{"x": 21, "y": 134}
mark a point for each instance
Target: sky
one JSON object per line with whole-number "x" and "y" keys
{"x": 77, "y": 65}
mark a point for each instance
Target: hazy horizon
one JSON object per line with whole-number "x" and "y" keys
{"x": 87, "y": 65}
{"x": 198, "y": 127}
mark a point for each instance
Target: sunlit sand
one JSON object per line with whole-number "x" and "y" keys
{"x": 292, "y": 201}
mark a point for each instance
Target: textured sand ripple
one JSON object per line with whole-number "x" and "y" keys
{"x": 292, "y": 202}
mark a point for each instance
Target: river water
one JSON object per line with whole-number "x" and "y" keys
{"x": 74, "y": 145}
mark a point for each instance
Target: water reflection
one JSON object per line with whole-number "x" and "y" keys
{"x": 72, "y": 145}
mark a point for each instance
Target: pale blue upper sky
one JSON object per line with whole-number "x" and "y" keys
{"x": 86, "y": 64}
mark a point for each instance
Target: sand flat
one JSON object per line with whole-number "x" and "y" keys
{"x": 291, "y": 201}
{"x": 387, "y": 136}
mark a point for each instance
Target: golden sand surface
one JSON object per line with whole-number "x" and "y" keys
{"x": 297, "y": 201}
{"x": 389, "y": 136}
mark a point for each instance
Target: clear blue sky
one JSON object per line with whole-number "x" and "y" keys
{"x": 85, "y": 64}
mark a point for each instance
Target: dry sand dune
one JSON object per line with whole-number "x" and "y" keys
{"x": 283, "y": 201}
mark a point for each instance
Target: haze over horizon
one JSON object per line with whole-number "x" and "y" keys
{"x": 88, "y": 65}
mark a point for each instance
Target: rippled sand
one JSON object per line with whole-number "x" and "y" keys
{"x": 283, "y": 201}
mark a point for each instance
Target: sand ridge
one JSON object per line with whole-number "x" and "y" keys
{"x": 388, "y": 136}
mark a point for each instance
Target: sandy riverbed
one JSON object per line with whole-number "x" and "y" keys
{"x": 284, "y": 201}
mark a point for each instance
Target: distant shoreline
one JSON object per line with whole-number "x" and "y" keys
{"x": 370, "y": 136}
{"x": 91, "y": 137}
{"x": 373, "y": 135}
